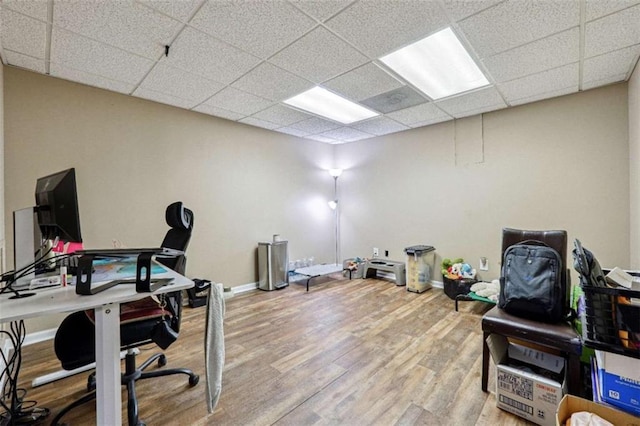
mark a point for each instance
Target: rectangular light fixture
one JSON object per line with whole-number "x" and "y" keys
{"x": 437, "y": 65}
{"x": 327, "y": 104}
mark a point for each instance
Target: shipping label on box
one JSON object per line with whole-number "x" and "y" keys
{"x": 619, "y": 378}
{"x": 521, "y": 392}
{"x": 527, "y": 395}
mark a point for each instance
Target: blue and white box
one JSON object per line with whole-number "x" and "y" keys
{"x": 619, "y": 378}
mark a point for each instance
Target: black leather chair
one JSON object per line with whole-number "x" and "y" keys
{"x": 75, "y": 338}
{"x": 560, "y": 337}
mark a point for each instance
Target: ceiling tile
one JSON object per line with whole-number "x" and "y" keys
{"x": 271, "y": 82}
{"x": 346, "y": 134}
{"x": 315, "y": 125}
{"x": 551, "y": 52}
{"x": 24, "y": 61}
{"x": 318, "y": 56}
{"x": 603, "y": 82}
{"x": 180, "y": 10}
{"x": 379, "y": 126}
{"x": 430, "y": 122}
{"x": 238, "y": 101}
{"x": 598, "y": 8}
{"x": 321, "y": 138}
{"x": 260, "y": 27}
{"x": 382, "y": 26}
{"x": 321, "y": 9}
{"x": 163, "y": 98}
{"x": 460, "y": 9}
{"x": 514, "y": 23}
{"x": 60, "y": 71}
{"x": 363, "y": 83}
{"x": 123, "y": 24}
{"x": 96, "y": 58}
{"x": 546, "y": 95}
{"x": 475, "y": 101}
{"x": 281, "y": 115}
{"x": 394, "y": 100}
{"x": 218, "y": 112}
{"x": 419, "y": 114}
{"x": 22, "y": 34}
{"x": 292, "y": 131}
{"x": 259, "y": 123}
{"x": 182, "y": 84}
{"x": 202, "y": 54}
{"x": 477, "y": 111}
{"x": 612, "y": 32}
{"x": 544, "y": 82}
{"x": 33, "y": 8}
{"x": 610, "y": 65}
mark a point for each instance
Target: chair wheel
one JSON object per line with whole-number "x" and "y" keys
{"x": 193, "y": 380}
{"x": 162, "y": 361}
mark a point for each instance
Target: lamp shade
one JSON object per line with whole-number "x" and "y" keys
{"x": 335, "y": 172}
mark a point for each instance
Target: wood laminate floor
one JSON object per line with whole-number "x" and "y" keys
{"x": 348, "y": 352}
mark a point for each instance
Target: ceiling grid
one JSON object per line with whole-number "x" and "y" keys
{"x": 239, "y": 60}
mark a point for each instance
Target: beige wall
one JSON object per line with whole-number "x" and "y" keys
{"x": 3, "y": 249}
{"x": 634, "y": 164}
{"x": 556, "y": 164}
{"x": 561, "y": 163}
{"x": 134, "y": 157}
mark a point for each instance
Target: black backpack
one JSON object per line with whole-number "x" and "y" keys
{"x": 531, "y": 283}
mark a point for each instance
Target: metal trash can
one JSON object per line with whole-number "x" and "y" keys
{"x": 420, "y": 260}
{"x": 273, "y": 262}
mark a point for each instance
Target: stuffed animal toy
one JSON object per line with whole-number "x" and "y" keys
{"x": 456, "y": 270}
{"x": 466, "y": 271}
{"x": 447, "y": 264}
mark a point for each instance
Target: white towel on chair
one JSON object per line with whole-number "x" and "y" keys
{"x": 214, "y": 344}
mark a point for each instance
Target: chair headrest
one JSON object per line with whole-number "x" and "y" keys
{"x": 178, "y": 216}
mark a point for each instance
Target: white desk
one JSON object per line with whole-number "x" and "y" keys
{"x": 107, "y": 319}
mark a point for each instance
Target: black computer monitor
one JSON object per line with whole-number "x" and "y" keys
{"x": 57, "y": 206}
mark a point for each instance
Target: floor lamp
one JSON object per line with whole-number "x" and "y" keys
{"x": 335, "y": 173}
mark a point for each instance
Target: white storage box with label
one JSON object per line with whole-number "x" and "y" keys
{"x": 619, "y": 378}
{"x": 521, "y": 391}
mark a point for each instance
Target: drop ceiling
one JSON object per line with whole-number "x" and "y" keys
{"x": 239, "y": 60}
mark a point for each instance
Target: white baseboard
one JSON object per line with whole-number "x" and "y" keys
{"x": 39, "y": 336}
{"x": 244, "y": 288}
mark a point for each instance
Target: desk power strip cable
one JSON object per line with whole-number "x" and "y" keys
{"x": 16, "y": 409}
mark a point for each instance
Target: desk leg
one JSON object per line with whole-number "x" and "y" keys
{"x": 108, "y": 400}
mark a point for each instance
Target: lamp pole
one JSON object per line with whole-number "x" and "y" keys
{"x": 335, "y": 205}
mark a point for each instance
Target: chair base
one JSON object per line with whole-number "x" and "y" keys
{"x": 128, "y": 379}
{"x": 560, "y": 337}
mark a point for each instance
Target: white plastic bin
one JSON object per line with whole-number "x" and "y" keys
{"x": 420, "y": 261}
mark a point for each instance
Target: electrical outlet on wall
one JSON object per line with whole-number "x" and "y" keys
{"x": 376, "y": 252}
{"x": 484, "y": 264}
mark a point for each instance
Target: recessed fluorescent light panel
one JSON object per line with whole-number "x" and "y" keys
{"x": 437, "y": 65}
{"x": 327, "y": 104}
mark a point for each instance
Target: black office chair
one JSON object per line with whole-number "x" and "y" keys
{"x": 75, "y": 338}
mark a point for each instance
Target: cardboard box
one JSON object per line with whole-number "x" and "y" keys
{"x": 519, "y": 390}
{"x": 619, "y": 380}
{"x": 572, "y": 404}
